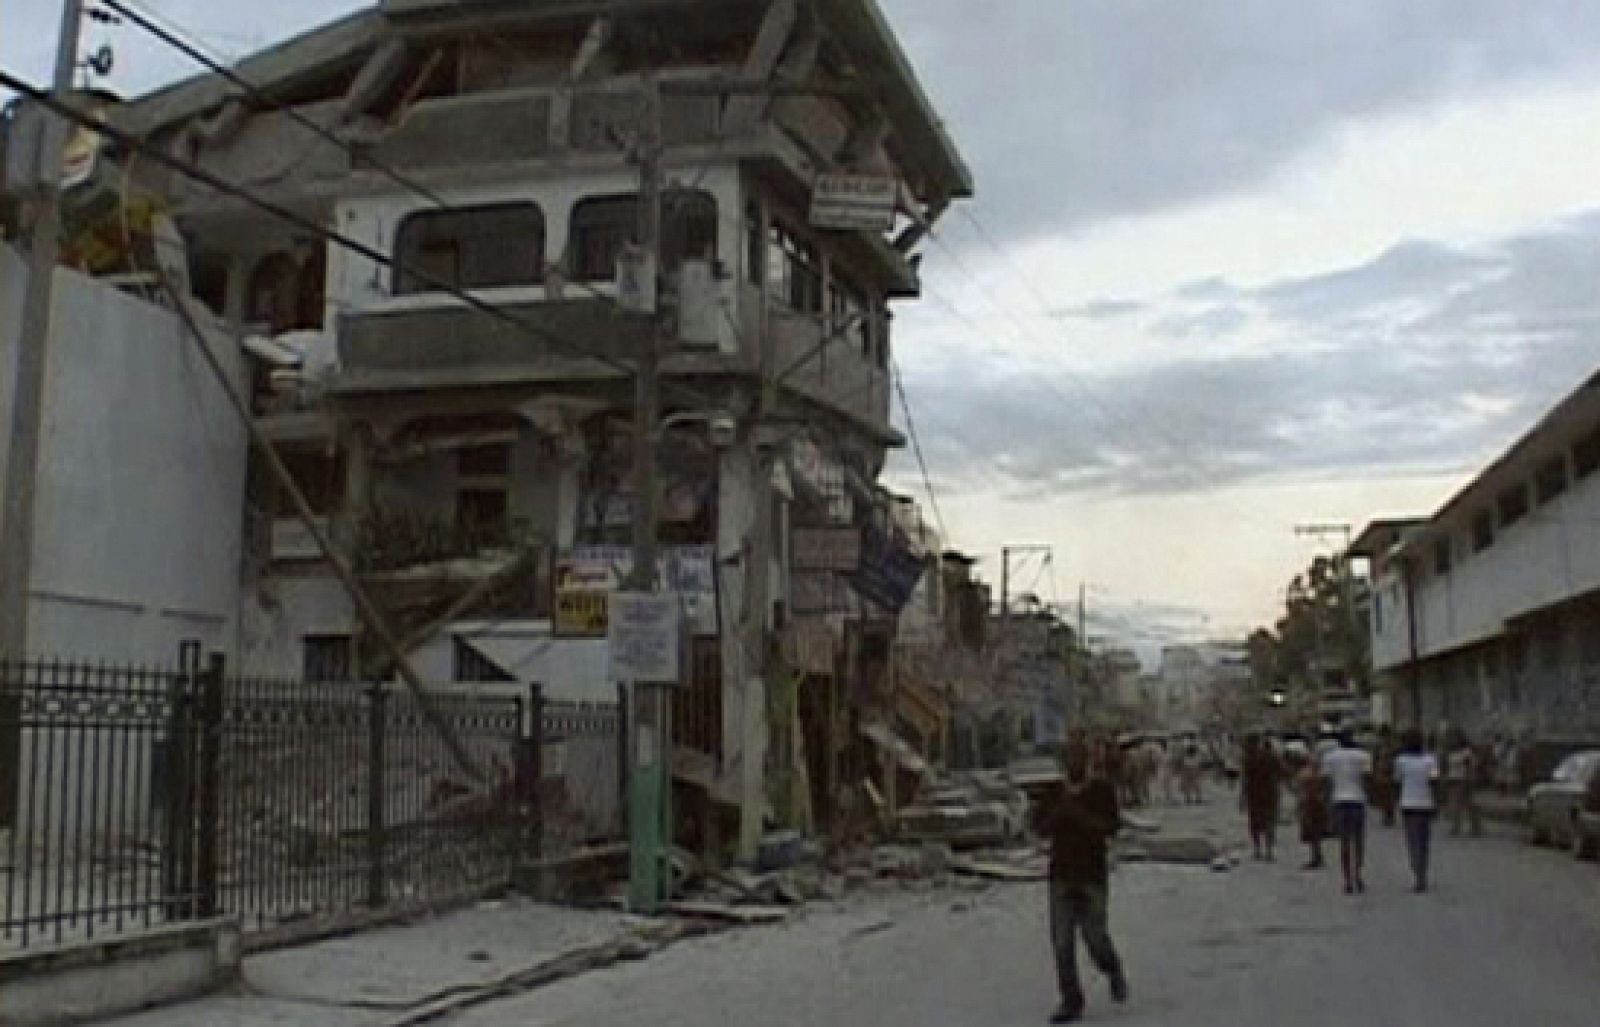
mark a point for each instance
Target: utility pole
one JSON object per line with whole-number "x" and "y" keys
{"x": 27, "y": 399}
{"x": 1005, "y": 576}
{"x": 649, "y": 813}
{"x": 1321, "y": 531}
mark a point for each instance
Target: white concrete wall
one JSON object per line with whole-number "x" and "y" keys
{"x": 1550, "y": 555}
{"x": 141, "y": 478}
{"x": 277, "y": 615}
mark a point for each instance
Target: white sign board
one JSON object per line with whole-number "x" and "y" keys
{"x": 863, "y": 203}
{"x": 643, "y": 629}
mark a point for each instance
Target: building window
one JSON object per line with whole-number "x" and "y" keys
{"x": 471, "y": 665}
{"x": 320, "y": 476}
{"x": 1441, "y": 555}
{"x": 1513, "y": 504}
{"x": 470, "y": 248}
{"x": 1586, "y": 454}
{"x": 1482, "y": 531}
{"x": 754, "y": 245}
{"x": 850, "y": 316}
{"x": 603, "y": 225}
{"x": 794, "y": 271}
{"x": 327, "y": 659}
{"x": 484, "y": 514}
{"x": 479, "y": 461}
{"x": 1551, "y": 479}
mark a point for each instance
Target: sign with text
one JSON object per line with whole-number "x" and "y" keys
{"x": 643, "y": 634}
{"x": 587, "y": 575}
{"x": 855, "y": 203}
{"x": 889, "y": 570}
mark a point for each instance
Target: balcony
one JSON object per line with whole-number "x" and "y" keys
{"x": 839, "y": 376}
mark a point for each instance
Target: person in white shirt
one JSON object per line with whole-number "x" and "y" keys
{"x": 1417, "y": 769}
{"x": 1347, "y": 769}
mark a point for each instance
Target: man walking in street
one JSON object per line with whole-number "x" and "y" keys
{"x": 1347, "y": 768}
{"x": 1417, "y": 770}
{"x": 1078, "y": 822}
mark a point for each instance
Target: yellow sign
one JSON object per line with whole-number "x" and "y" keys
{"x": 581, "y": 614}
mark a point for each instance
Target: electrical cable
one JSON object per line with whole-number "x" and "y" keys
{"x": 916, "y": 448}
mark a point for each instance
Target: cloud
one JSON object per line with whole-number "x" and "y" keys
{"x": 1128, "y": 108}
{"x": 1426, "y": 359}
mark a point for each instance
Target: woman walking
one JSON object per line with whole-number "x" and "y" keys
{"x": 1259, "y": 789}
{"x": 1416, "y": 769}
{"x": 1312, "y": 789}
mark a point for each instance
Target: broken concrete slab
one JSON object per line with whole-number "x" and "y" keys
{"x": 1188, "y": 850}
{"x": 744, "y": 915}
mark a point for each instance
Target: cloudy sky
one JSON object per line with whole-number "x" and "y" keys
{"x": 1234, "y": 265}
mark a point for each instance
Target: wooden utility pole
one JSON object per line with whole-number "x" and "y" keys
{"x": 27, "y": 400}
{"x": 27, "y": 405}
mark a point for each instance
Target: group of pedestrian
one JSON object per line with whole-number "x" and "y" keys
{"x": 1335, "y": 785}
{"x": 1142, "y": 770}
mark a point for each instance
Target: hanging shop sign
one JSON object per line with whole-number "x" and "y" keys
{"x": 858, "y": 203}
{"x": 642, "y": 631}
{"x": 889, "y": 570}
{"x": 587, "y": 576}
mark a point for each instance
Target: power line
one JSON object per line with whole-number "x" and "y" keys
{"x": 916, "y": 447}
{"x": 264, "y": 100}
{"x": 228, "y": 188}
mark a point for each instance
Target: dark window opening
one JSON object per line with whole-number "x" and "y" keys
{"x": 1551, "y": 479}
{"x": 483, "y": 460}
{"x": 1482, "y": 531}
{"x": 484, "y": 514}
{"x": 327, "y": 658}
{"x": 208, "y": 273}
{"x": 471, "y": 665}
{"x": 273, "y": 297}
{"x": 470, "y": 248}
{"x": 794, "y": 271}
{"x": 603, "y": 226}
{"x": 1441, "y": 555}
{"x": 320, "y": 476}
{"x": 754, "y": 245}
{"x": 1513, "y": 504}
{"x": 688, "y": 227}
{"x": 1586, "y": 454}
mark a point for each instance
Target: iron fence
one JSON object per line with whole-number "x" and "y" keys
{"x": 94, "y": 831}
{"x": 579, "y": 775}
{"x": 148, "y": 796}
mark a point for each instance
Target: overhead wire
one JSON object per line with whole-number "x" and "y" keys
{"x": 916, "y": 448}
{"x": 674, "y": 194}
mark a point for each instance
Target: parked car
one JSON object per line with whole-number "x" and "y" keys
{"x": 1554, "y": 805}
{"x": 1588, "y": 841}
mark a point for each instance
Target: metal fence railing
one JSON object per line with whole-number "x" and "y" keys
{"x": 91, "y": 823}
{"x": 581, "y": 776}
{"x": 149, "y": 796}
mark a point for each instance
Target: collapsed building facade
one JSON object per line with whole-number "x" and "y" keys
{"x": 477, "y": 465}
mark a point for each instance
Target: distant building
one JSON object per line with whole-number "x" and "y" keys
{"x": 1487, "y": 614}
{"x": 1190, "y": 676}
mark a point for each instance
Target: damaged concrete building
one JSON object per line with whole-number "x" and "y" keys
{"x": 444, "y": 363}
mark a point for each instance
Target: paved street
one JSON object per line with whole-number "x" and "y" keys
{"x": 1511, "y": 935}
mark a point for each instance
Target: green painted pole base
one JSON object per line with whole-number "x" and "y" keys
{"x": 646, "y": 888}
